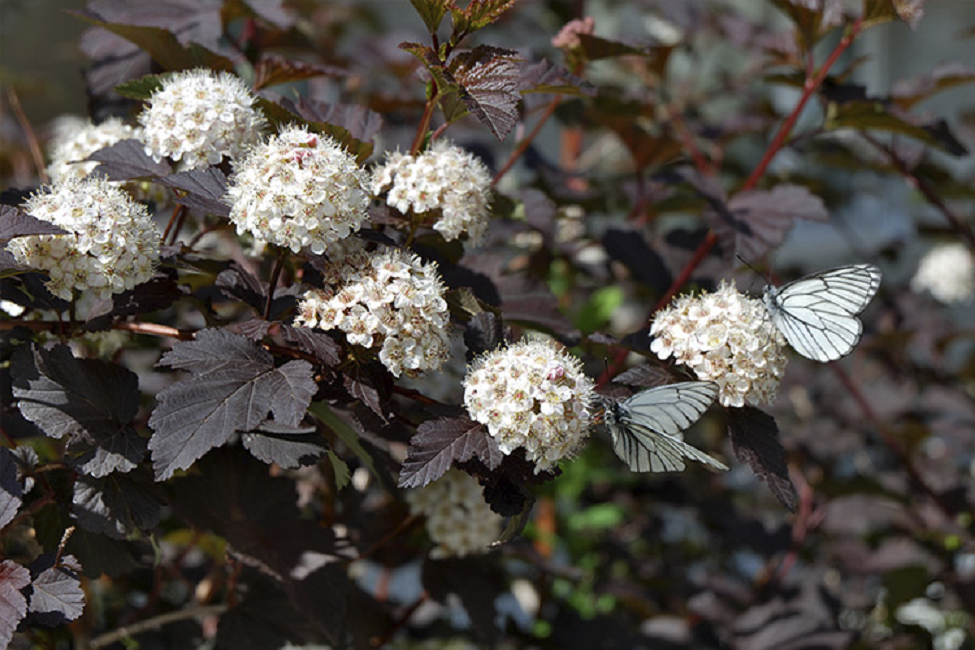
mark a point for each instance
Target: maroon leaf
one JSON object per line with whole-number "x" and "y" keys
{"x": 756, "y": 221}
{"x": 326, "y": 349}
{"x": 118, "y": 505}
{"x": 547, "y": 77}
{"x": 273, "y": 69}
{"x": 488, "y": 78}
{"x": 234, "y": 386}
{"x": 10, "y": 488}
{"x": 477, "y": 583}
{"x": 281, "y": 111}
{"x": 645, "y": 376}
{"x": 57, "y": 593}
{"x": 13, "y": 605}
{"x": 127, "y": 160}
{"x": 528, "y": 300}
{"x": 289, "y": 448}
{"x": 14, "y": 222}
{"x": 202, "y": 189}
{"x": 439, "y": 443}
{"x": 754, "y": 437}
{"x": 484, "y": 332}
{"x": 365, "y": 393}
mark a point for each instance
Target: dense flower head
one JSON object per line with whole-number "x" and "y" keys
{"x": 389, "y": 300}
{"x": 445, "y": 178}
{"x": 298, "y": 190}
{"x": 725, "y": 337}
{"x": 112, "y": 243}
{"x": 532, "y": 395}
{"x": 947, "y": 271}
{"x": 199, "y": 116}
{"x": 458, "y": 519}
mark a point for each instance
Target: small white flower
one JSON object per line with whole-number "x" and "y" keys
{"x": 113, "y": 244}
{"x": 388, "y": 300}
{"x": 200, "y": 116}
{"x": 444, "y": 179}
{"x": 298, "y": 190}
{"x": 725, "y": 337}
{"x": 531, "y": 395}
{"x": 947, "y": 271}
{"x": 458, "y": 519}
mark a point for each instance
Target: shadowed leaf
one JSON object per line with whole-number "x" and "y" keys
{"x": 57, "y": 596}
{"x": 201, "y": 189}
{"x": 755, "y": 439}
{"x": 233, "y": 388}
{"x": 439, "y": 443}
{"x": 13, "y": 605}
{"x": 273, "y": 69}
{"x": 127, "y": 160}
{"x": 10, "y": 489}
{"x": 117, "y": 505}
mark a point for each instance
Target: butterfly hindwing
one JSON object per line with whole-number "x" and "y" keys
{"x": 817, "y": 314}
{"x": 646, "y": 427}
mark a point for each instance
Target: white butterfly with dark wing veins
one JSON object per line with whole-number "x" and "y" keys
{"x": 817, "y": 314}
{"x": 647, "y": 427}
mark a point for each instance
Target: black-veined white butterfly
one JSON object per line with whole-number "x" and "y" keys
{"x": 647, "y": 427}
{"x": 817, "y": 314}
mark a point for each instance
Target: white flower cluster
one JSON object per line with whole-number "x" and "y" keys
{"x": 725, "y": 337}
{"x": 947, "y": 271}
{"x": 298, "y": 190}
{"x": 445, "y": 178}
{"x": 75, "y": 139}
{"x": 199, "y": 116}
{"x": 458, "y": 519}
{"x": 113, "y": 245}
{"x": 531, "y": 395}
{"x": 389, "y": 300}
{"x": 946, "y": 628}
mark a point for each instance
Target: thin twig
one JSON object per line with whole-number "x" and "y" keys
{"x": 275, "y": 274}
{"x": 154, "y": 622}
{"x": 527, "y": 140}
{"x": 32, "y": 142}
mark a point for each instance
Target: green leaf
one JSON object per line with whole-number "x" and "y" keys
{"x": 599, "y": 309}
{"x": 141, "y": 88}
{"x": 345, "y": 433}
{"x": 432, "y": 12}
{"x": 341, "y": 469}
{"x": 163, "y": 47}
{"x": 477, "y": 15}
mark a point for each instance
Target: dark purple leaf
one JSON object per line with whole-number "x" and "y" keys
{"x": 13, "y": 605}
{"x": 547, "y": 77}
{"x": 67, "y": 396}
{"x": 908, "y": 92}
{"x": 756, "y": 221}
{"x": 255, "y": 329}
{"x": 57, "y": 594}
{"x": 645, "y": 376}
{"x": 289, "y": 450}
{"x": 475, "y": 581}
{"x": 488, "y": 78}
{"x": 10, "y": 488}
{"x": 273, "y": 69}
{"x": 114, "y": 61}
{"x": 324, "y": 348}
{"x": 204, "y": 190}
{"x": 127, "y": 160}
{"x": 119, "y": 450}
{"x": 102, "y": 555}
{"x": 161, "y": 44}
{"x": 359, "y": 388}
{"x": 540, "y": 212}
{"x": 323, "y": 597}
{"x": 118, "y": 505}
{"x": 194, "y": 21}
{"x": 282, "y": 111}
{"x": 14, "y": 222}
{"x": 263, "y": 617}
{"x": 793, "y": 619}
{"x": 597, "y": 47}
{"x": 238, "y": 282}
{"x": 233, "y": 496}
{"x": 439, "y": 443}
{"x": 755, "y": 439}
{"x": 273, "y": 11}
{"x": 528, "y": 300}
{"x": 158, "y": 293}
{"x": 484, "y": 332}
{"x": 630, "y": 248}
{"x": 234, "y": 386}
{"x": 516, "y": 522}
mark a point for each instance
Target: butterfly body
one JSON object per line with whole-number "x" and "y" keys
{"x": 647, "y": 427}
{"x": 817, "y": 314}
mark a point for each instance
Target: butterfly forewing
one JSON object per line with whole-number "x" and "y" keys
{"x": 817, "y": 314}
{"x": 646, "y": 426}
